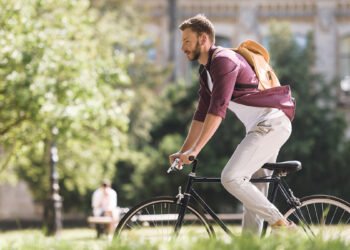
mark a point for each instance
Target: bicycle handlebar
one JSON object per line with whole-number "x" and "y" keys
{"x": 176, "y": 166}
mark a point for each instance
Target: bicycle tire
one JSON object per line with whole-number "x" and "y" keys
{"x": 322, "y": 216}
{"x": 154, "y": 220}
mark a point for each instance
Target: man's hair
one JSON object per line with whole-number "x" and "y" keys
{"x": 199, "y": 24}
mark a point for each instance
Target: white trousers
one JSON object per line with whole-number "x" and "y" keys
{"x": 261, "y": 145}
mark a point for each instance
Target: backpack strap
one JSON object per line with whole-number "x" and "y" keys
{"x": 238, "y": 86}
{"x": 258, "y": 58}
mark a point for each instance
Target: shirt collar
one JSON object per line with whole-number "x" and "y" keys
{"x": 210, "y": 54}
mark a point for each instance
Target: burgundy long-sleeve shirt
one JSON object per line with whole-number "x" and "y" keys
{"x": 226, "y": 69}
{"x": 234, "y": 80}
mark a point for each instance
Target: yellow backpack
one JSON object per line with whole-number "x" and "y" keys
{"x": 259, "y": 59}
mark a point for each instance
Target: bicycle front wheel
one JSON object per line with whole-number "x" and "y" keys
{"x": 155, "y": 219}
{"x": 322, "y": 215}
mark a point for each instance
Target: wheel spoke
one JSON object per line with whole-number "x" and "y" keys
{"x": 156, "y": 219}
{"x": 316, "y": 214}
{"x": 327, "y": 216}
{"x": 308, "y": 212}
{"x": 324, "y": 213}
{"x": 341, "y": 217}
{"x": 335, "y": 212}
{"x": 348, "y": 221}
{"x": 304, "y": 224}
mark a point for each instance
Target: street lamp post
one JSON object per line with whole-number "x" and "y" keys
{"x": 53, "y": 208}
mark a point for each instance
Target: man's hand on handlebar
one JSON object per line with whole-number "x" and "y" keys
{"x": 188, "y": 156}
{"x": 173, "y": 157}
{"x": 184, "y": 158}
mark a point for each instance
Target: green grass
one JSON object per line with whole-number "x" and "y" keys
{"x": 81, "y": 239}
{"x": 35, "y": 239}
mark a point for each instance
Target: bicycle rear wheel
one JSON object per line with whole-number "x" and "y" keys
{"x": 155, "y": 219}
{"x": 322, "y": 215}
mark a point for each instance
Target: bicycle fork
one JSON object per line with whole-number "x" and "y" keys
{"x": 183, "y": 200}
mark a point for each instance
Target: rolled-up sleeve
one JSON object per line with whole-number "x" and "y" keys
{"x": 224, "y": 73}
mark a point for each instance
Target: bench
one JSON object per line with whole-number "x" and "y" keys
{"x": 190, "y": 217}
{"x": 101, "y": 221}
{"x": 106, "y": 219}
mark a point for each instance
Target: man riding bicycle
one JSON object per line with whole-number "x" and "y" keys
{"x": 225, "y": 75}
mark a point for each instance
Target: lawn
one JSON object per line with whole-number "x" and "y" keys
{"x": 85, "y": 239}
{"x": 77, "y": 239}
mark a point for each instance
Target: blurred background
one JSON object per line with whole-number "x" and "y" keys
{"x": 100, "y": 89}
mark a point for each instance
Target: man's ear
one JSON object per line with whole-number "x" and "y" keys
{"x": 203, "y": 38}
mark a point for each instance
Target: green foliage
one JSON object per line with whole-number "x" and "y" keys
{"x": 318, "y": 139}
{"x": 146, "y": 165}
{"x": 58, "y": 70}
{"x": 148, "y": 108}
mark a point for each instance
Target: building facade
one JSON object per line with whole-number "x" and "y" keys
{"x": 237, "y": 20}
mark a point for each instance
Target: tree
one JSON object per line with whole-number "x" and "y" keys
{"x": 318, "y": 138}
{"x": 59, "y": 69}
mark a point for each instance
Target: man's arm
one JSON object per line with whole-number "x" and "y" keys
{"x": 94, "y": 199}
{"x": 112, "y": 200}
{"x": 209, "y": 128}
{"x": 192, "y": 136}
{"x": 224, "y": 73}
{"x": 95, "y": 203}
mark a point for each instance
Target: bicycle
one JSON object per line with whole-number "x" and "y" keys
{"x": 167, "y": 216}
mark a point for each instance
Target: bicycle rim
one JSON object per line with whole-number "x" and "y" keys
{"x": 155, "y": 219}
{"x": 322, "y": 216}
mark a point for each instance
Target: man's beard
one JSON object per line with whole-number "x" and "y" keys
{"x": 196, "y": 53}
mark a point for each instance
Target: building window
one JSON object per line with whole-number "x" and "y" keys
{"x": 300, "y": 40}
{"x": 344, "y": 57}
{"x": 223, "y": 41}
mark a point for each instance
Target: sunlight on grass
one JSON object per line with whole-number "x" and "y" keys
{"x": 67, "y": 239}
{"x": 85, "y": 239}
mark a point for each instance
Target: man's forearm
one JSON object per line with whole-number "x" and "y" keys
{"x": 193, "y": 134}
{"x": 209, "y": 128}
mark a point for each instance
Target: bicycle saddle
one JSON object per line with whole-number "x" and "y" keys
{"x": 284, "y": 167}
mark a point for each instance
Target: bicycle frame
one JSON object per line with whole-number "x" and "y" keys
{"x": 312, "y": 214}
{"x": 278, "y": 184}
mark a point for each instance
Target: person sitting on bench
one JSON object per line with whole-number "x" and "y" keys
{"x": 104, "y": 203}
